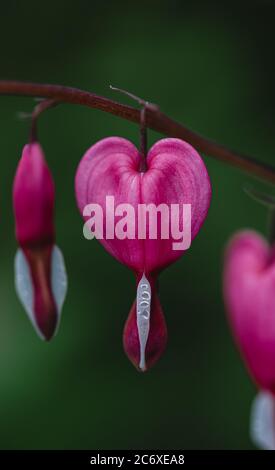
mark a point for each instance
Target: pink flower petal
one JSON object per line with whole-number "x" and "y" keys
{"x": 176, "y": 175}
{"x": 249, "y": 289}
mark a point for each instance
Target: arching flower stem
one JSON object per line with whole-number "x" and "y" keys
{"x": 155, "y": 120}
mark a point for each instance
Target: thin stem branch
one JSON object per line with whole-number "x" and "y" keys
{"x": 39, "y": 109}
{"x": 143, "y": 128}
{"x": 136, "y": 98}
{"x": 155, "y": 119}
{"x": 143, "y": 138}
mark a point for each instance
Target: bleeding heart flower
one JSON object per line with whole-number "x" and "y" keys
{"x": 249, "y": 290}
{"x": 175, "y": 175}
{"x": 40, "y": 275}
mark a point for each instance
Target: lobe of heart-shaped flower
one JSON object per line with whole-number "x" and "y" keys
{"x": 175, "y": 176}
{"x": 40, "y": 274}
{"x": 249, "y": 289}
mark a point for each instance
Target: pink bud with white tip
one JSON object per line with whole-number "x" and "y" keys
{"x": 40, "y": 275}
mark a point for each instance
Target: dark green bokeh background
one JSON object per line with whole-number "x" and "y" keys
{"x": 210, "y": 67}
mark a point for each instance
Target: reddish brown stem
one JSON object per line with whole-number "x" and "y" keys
{"x": 155, "y": 120}
{"x": 39, "y": 109}
{"x": 143, "y": 139}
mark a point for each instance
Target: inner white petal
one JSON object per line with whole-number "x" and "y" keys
{"x": 143, "y": 317}
{"x": 262, "y": 424}
{"x": 24, "y": 288}
{"x": 59, "y": 282}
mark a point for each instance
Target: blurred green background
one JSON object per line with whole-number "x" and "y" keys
{"x": 211, "y": 67}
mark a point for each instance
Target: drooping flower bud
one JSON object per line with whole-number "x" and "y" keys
{"x": 40, "y": 275}
{"x": 249, "y": 290}
{"x": 176, "y": 176}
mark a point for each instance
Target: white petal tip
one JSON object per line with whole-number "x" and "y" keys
{"x": 59, "y": 281}
{"x": 143, "y": 317}
{"x": 25, "y": 290}
{"x": 142, "y": 365}
{"x": 262, "y": 424}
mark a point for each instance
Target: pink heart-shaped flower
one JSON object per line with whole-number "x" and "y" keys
{"x": 175, "y": 176}
{"x": 249, "y": 289}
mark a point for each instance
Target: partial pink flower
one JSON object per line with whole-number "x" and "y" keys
{"x": 249, "y": 290}
{"x": 176, "y": 175}
{"x": 40, "y": 274}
